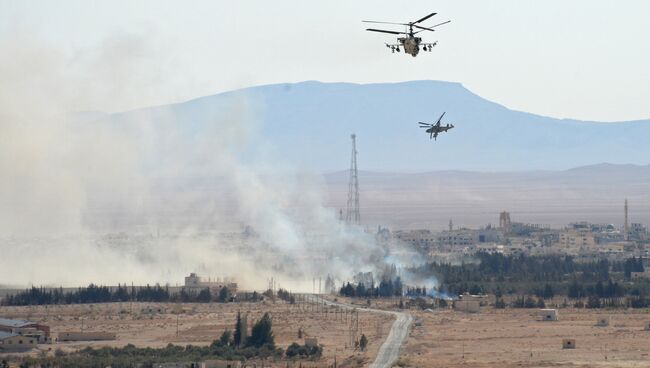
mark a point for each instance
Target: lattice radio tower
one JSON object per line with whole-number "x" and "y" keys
{"x": 352, "y": 215}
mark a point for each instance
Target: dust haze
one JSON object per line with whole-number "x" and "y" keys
{"x": 84, "y": 198}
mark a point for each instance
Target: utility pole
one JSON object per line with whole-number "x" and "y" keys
{"x": 463, "y": 350}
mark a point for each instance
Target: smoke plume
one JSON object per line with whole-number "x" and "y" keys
{"x": 106, "y": 198}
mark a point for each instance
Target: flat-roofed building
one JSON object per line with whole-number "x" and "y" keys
{"x": 548, "y": 314}
{"x": 577, "y": 238}
{"x": 11, "y": 342}
{"x": 22, "y": 327}
{"x": 86, "y": 336}
{"x": 193, "y": 281}
{"x": 458, "y": 238}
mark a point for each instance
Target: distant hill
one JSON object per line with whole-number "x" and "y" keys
{"x": 309, "y": 124}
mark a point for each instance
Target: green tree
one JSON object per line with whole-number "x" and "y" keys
{"x": 238, "y": 330}
{"x": 548, "y": 291}
{"x": 530, "y": 302}
{"x": 262, "y": 333}
{"x": 226, "y": 338}
{"x": 363, "y": 342}
{"x": 293, "y": 350}
{"x": 593, "y": 302}
{"x": 498, "y": 293}
{"x": 204, "y": 296}
{"x": 223, "y": 294}
{"x": 499, "y": 304}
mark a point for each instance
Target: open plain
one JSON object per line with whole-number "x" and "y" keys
{"x": 156, "y": 325}
{"x": 517, "y": 338}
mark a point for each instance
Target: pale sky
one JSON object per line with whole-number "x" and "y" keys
{"x": 582, "y": 59}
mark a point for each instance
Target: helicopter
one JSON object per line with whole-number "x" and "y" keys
{"x": 409, "y": 42}
{"x": 435, "y": 129}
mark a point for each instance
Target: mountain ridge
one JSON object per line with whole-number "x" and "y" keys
{"x": 309, "y": 123}
{"x": 316, "y": 82}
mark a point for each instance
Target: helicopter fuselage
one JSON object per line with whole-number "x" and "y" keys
{"x": 411, "y": 44}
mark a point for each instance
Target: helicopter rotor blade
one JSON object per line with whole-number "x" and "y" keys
{"x": 440, "y": 119}
{"x": 425, "y": 18}
{"x": 383, "y": 31}
{"x": 439, "y": 24}
{"x": 374, "y": 21}
{"x": 423, "y": 28}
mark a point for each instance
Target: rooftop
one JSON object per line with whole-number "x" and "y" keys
{"x": 14, "y": 322}
{"x": 4, "y": 335}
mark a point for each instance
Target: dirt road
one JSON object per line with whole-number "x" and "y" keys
{"x": 389, "y": 350}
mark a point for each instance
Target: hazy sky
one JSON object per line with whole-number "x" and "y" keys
{"x": 583, "y": 59}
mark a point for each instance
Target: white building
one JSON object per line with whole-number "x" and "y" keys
{"x": 193, "y": 281}
{"x": 548, "y": 314}
{"x": 11, "y": 342}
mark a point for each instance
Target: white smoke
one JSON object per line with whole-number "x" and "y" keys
{"x": 105, "y": 199}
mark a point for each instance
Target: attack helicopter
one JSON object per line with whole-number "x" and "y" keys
{"x": 435, "y": 129}
{"x": 410, "y": 42}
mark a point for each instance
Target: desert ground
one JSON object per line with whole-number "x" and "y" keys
{"x": 439, "y": 338}
{"x": 517, "y": 338}
{"x": 155, "y": 325}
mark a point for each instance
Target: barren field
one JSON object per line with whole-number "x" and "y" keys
{"x": 156, "y": 324}
{"x": 516, "y": 338}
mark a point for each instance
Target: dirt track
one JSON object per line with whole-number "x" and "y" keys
{"x": 390, "y": 350}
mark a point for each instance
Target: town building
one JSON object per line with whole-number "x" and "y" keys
{"x": 193, "y": 281}
{"x": 548, "y": 314}
{"x": 26, "y": 328}
{"x": 11, "y": 342}
{"x": 86, "y": 336}
{"x": 568, "y": 344}
{"x": 421, "y": 239}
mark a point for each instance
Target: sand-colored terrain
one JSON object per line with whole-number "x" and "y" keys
{"x": 516, "y": 338}
{"x": 156, "y": 324}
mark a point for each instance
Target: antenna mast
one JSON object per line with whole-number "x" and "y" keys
{"x": 626, "y": 228}
{"x": 353, "y": 216}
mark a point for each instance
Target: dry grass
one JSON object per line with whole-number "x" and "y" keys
{"x": 200, "y": 324}
{"x": 515, "y": 338}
